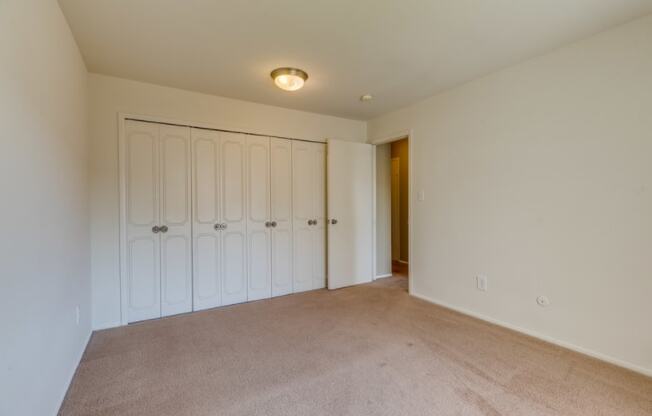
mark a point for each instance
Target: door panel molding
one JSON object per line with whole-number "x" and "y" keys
{"x": 234, "y": 216}
{"x": 174, "y": 203}
{"x": 147, "y": 281}
{"x": 174, "y": 152}
{"x": 138, "y": 185}
{"x": 309, "y": 215}
{"x": 205, "y": 172}
{"x": 207, "y": 241}
{"x": 234, "y": 268}
{"x": 259, "y": 244}
{"x": 281, "y": 213}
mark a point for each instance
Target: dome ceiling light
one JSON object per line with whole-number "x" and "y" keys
{"x": 289, "y": 79}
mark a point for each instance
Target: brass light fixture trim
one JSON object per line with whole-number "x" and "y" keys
{"x": 289, "y": 79}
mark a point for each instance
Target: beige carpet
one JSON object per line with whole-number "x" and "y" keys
{"x": 366, "y": 350}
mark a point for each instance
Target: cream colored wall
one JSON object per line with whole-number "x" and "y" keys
{"x": 109, "y": 96}
{"x": 44, "y": 248}
{"x": 383, "y": 210}
{"x": 540, "y": 177}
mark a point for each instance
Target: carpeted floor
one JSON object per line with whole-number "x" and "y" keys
{"x": 365, "y": 350}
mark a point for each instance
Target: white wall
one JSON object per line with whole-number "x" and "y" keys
{"x": 383, "y": 210}
{"x": 540, "y": 177}
{"x": 44, "y": 249}
{"x": 108, "y": 96}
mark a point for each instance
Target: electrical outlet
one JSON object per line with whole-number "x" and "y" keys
{"x": 77, "y": 315}
{"x": 481, "y": 281}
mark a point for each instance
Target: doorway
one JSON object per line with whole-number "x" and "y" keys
{"x": 392, "y": 209}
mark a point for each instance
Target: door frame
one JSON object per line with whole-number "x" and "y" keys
{"x": 399, "y": 135}
{"x": 122, "y": 117}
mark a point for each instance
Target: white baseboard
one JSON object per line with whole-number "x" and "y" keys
{"x": 107, "y": 326}
{"x": 563, "y": 344}
{"x": 382, "y": 276}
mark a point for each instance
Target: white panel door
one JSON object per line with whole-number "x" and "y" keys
{"x": 207, "y": 237}
{"x": 233, "y": 217}
{"x": 281, "y": 214}
{"x": 303, "y": 158}
{"x": 142, "y": 262}
{"x": 319, "y": 216}
{"x": 258, "y": 218}
{"x": 350, "y": 208}
{"x": 175, "y": 222}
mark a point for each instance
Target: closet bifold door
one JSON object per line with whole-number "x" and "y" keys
{"x": 319, "y": 216}
{"x": 158, "y": 228}
{"x": 281, "y": 211}
{"x": 175, "y": 222}
{"x": 259, "y": 223}
{"x": 206, "y": 225}
{"x": 233, "y": 217}
{"x": 302, "y": 214}
{"x": 142, "y": 240}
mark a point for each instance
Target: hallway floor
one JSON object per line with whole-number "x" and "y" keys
{"x": 400, "y": 269}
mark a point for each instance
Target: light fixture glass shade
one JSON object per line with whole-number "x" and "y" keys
{"x": 289, "y": 79}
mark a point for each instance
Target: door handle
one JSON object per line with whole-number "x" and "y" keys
{"x": 314, "y": 222}
{"x": 163, "y": 228}
{"x": 268, "y": 224}
{"x": 333, "y": 221}
{"x": 219, "y": 226}
{"x": 309, "y": 222}
{"x": 155, "y": 229}
{"x": 274, "y": 224}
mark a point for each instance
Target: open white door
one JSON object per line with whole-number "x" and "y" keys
{"x": 350, "y": 213}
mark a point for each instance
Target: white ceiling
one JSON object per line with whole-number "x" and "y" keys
{"x": 400, "y": 51}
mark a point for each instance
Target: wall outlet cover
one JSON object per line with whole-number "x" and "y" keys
{"x": 481, "y": 281}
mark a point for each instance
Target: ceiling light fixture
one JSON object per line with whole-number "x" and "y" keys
{"x": 289, "y": 79}
{"x": 366, "y": 98}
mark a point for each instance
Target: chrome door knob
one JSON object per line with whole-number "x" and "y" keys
{"x": 224, "y": 225}
{"x": 155, "y": 229}
{"x": 217, "y": 227}
{"x": 164, "y": 228}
